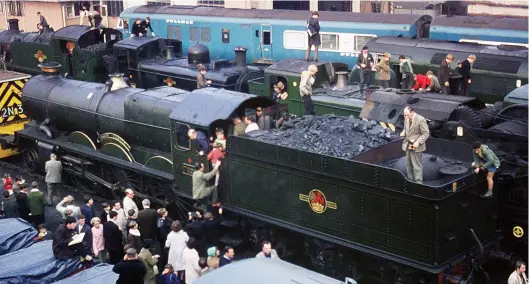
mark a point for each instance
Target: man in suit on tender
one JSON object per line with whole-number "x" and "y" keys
{"x": 415, "y": 134}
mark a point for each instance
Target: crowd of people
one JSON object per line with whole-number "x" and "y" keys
{"x": 135, "y": 241}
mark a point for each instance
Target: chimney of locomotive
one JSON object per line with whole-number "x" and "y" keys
{"x": 342, "y": 78}
{"x": 117, "y": 82}
{"x": 198, "y": 54}
{"x": 169, "y": 52}
{"x": 240, "y": 56}
{"x": 13, "y": 25}
{"x": 50, "y": 68}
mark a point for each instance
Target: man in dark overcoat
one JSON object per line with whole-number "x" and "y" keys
{"x": 444, "y": 73}
{"x": 62, "y": 238}
{"x": 313, "y": 31}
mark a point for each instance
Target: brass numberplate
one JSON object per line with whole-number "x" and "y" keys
{"x": 188, "y": 169}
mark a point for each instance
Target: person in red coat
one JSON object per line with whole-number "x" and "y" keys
{"x": 421, "y": 82}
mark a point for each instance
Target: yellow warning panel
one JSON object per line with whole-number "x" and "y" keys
{"x": 12, "y": 115}
{"x": 11, "y": 109}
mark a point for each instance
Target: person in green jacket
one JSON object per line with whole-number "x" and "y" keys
{"x": 36, "y": 202}
{"x": 485, "y": 159}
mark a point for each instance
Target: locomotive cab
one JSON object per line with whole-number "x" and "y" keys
{"x": 205, "y": 110}
{"x": 130, "y": 52}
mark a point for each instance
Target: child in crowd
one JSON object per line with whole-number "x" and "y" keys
{"x": 219, "y": 146}
{"x": 43, "y": 235}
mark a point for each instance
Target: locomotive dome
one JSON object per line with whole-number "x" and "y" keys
{"x": 198, "y": 54}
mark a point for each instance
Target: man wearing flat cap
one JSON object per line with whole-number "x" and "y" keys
{"x": 250, "y": 119}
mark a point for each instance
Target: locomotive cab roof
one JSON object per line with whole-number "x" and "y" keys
{"x": 133, "y": 43}
{"x": 204, "y": 106}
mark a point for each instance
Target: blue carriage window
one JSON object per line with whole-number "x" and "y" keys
{"x": 361, "y": 41}
{"x": 329, "y": 41}
{"x": 194, "y": 34}
{"x": 267, "y": 40}
{"x": 225, "y": 36}
{"x": 205, "y": 34}
{"x": 174, "y": 32}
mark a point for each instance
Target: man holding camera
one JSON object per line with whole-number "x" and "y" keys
{"x": 415, "y": 134}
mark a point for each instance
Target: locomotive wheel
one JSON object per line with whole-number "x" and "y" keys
{"x": 159, "y": 188}
{"x": 30, "y": 160}
{"x": 81, "y": 184}
{"x": 517, "y": 111}
{"x": 125, "y": 179}
{"x": 467, "y": 116}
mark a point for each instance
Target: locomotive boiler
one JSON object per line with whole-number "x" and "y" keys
{"x": 147, "y": 69}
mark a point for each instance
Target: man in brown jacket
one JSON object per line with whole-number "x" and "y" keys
{"x": 239, "y": 127}
{"x": 415, "y": 134}
{"x": 201, "y": 77}
{"x": 383, "y": 69}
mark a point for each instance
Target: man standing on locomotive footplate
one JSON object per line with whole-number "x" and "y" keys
{"x": 415, "y": 134}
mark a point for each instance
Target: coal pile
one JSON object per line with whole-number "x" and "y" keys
{"x": 338, "y": 136}
{"x": 96, "y": 47}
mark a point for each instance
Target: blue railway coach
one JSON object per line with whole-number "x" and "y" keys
{"x": 490, "y": 30}
{"x": 273, "y": 35}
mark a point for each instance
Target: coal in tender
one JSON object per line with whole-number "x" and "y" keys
{"x": 339, "y": 136}
{"x": 96, "y": 47}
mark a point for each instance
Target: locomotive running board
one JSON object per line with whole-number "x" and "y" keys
{"x": 369, "y": 250}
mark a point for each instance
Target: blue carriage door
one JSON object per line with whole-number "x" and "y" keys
{"x": 266, "y": 42}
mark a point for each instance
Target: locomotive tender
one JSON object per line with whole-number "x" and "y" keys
{"x": 275, "y": 35}
{"x": 354, "y": 215}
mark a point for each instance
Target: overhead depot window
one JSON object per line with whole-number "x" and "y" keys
{"x": 225, "y": 36}
{"x": 182, "y": 139}
{"x": 329, "y": 41}
{"x": 205, "y": 34}
{"x": 194, "y": 34}
{"x": 295, "y": 40}
{"x": 361, "y": 41}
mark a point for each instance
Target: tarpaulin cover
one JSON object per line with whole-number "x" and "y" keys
{"x": 101, "y": 273}
{"x": 15, "y": 234}
{"x": 264, "y": 271}
{"x": 35, "y": 265}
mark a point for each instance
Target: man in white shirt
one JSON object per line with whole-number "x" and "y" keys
{"x": 128, "y": 202}
{"x": 250, "y": 121}
{"x": 121, "y": 220}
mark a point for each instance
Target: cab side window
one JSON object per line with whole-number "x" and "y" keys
{"x": 182, "y": 139}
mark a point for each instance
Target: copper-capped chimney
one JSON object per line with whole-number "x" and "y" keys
{"x": 342, "y": 78}
{"x": 50, "y": 68}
